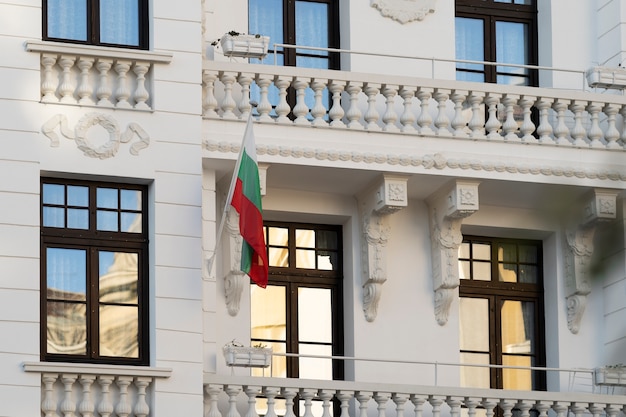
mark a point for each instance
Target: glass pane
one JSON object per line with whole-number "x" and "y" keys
{"x": 305, "y": 238}
{"x": 53, "y": 217}
{"x": 475, "y": 377}
{"x": 66, "y": 328}
{"x": 278, "y": 257}
{"x": 66, "y": 274}
{"x": 464, "y": 250}
{"x": 67, "y": 19}
{"x": 312, "y": 26}
{"x": 518, "y": 379}
{"x": 310, "y": 62}
{"x": 268, "y": 313}
{"x": 119, "y": 22}
{"x": 528, "y": 254}
{"x": 512, "y": 46}
{"x": 327, "y": 261}
{"x": 130, "y": 200}
{"x": 507, "y": 252}
{"x": 54, "y": 194}
{"x": 106, "y": 198}
{"x": 131, "y": 222}
{"x": 528, "y": 274}
{"x": 78, "y": 218}
{"x": 510, "y": 80}
{"x": 464, "y": 270}
{"x": 119, "y": 277}
{"x": 315, "y": 368}
{"x": 278, "y": 236}
{"x": 470, "y": 76}
{"x": 107, "y": 220}
{"x": 482, "y": 251}
{"x": 469, "y": 42}
{"x": 482, "y": 271}
{"x": 119, "y": 331}
{"x": 518, "y": 326}
{"x": 327, "y": 239}
{"x": 265, "y": 17}
{"x": 279, "y": 363}
{"x": 77, "y": 196}
{"x": 314, "y": 315}
{"x": 474, "y": 324}
{"x": 305, "y": 259}
{"x": 507, "y": 272}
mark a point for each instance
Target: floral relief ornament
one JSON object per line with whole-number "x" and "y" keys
{"x": 404, "y": 11}
{"x": 107, "y": 149}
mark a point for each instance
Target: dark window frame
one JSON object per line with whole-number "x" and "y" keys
{"x": 93, "y": 242}
{"x": 92, "y": 19}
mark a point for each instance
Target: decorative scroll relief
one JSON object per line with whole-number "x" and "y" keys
{"x": 376, "y": 204}
{"x": 448, "y": 207}
{"x": 599, "y": 206}
{"x": 404, "y": 11}
{"x": 80, "y": 135}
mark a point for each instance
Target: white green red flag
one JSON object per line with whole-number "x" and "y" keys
{"x": 247, "y": 201}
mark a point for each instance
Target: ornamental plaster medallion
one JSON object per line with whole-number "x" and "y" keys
{"x": 404, "y": 11}
{"x": 80, "y": 134}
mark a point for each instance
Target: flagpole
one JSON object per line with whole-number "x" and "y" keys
{"x": 231, "y": 189}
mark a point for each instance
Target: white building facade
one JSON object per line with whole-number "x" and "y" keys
{"x": 444, "y": 235}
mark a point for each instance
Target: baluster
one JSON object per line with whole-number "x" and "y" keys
{"x": 418, "y": 404}
{"x": 595, "y": 133}
{"x": 363, "y": 397}
{"x": 543, "y": 407}
{"x": 424, "y": 120}
{"x": 105, "y": 407}
{"x": 68, "y": 406}
{"x": 544, "y": 130}
{"x": 561, "y": 131}
{"x": 103, "y": 93}
{"x": 336, "y": 111}
{"x": 300, "y": 110}
{"x": 381, "y": 399}
{"x": 232, "y": 391}
{"x": 49, "y": 404}
{"x": 228, "y": 102}
{"x": 210, "y": 102}
{"x": 390, "y": 116}
{"x": 577, "y": 408}
{"x": 455, "y": 405}
{"x": 622, "y": 139}
{"x": 489, "y": 405}
{"x": 400, "y": 401}
{"x": 442, "y": 121}
{"x": 48, "y": 85}
{"x": 307, "y": 395}
{"x": 344, "y": 398}
{"x": 214, "y": 391}
{"x": 251, "y": 391}
{"x": 407, "y": 119}
{"x": 477, "y": 121}
{"x": 371, "y": 114}
{"x": 507, "y": 406}
{"x": 66, "y": 89}
{"x": 123, "y": 406}
{"x": 595, "y": 409}
{"x": 510, "y": 125}
{"x": 578, "y": 132}
{"x": 318, "y": 111}
{"x": 122, "y": 93}
{"x": 244, "y": 105}
{"x": 354, "y": 114}
{"x": 282, "y": 108}
{"x": 524, "y": 406}
{"x": 141, "y": 94}
{"x": 528, "y": 127}
{"x": 493, "y": 125}
{"x": 436, "y": 402}
{"x": 84, "y": 89}
{"x": 326, "y": 396}
{"x": 289, "y": 394}
{"x": 471, "y": 404}
{"x": 612, "y": 410}
{"x": 458, "y": 121}
{"x": 560, "y": 408}
{"x": 271, "y": 393}
{"x": 86, "y": 407}
{"x": 141, "y": 407}
{"x": 265, "y": 107}
{"x": 612, "y": 134}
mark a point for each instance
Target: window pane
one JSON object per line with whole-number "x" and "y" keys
{"x": 53, "y": 217}
{"x": 327, "y": 261}
{"x": 518, "y": 379}
{"x": 314, "y": 315}
{"x": 67, "y": 19}
{"x": 311, "y": 26}
{"x": 464, "y": 270}
{"x": 315, "y": 368}
{"x": 475, "y": 377}
{"x": 106, "y": 198}
{"x": 66, "y": 274}
{"x": 507, "y": 272}
{"x": 119, "y": 331}
{"x": 305, "y": 259}
{"x": 481, "y": 251}
{"x": 279, "y": 364}
{"x": 482, "y": 271}
{"x": 278, "y": 257}
{"x": 474, "y": 324}
{"x": 118, "y": 277}
{"x": 131, "y": 222}
{"x": 470, "y": 76}
{"x": 53, "y": 194}
{"x": 327, "y": 239}
{"x": 265, "y": 17}
{"x": 469, "y": 42}
{"x": 512, "y": 46}
{"x": 78, "y": 219}
{"x": 511, "y": 80}
{"x": 130, "y": 200}
{"x": 305, "y": 238}
{"x": 507, "y": 252}
{"x": 119, "y": 22}
{"x": 107, "y": 220}
{"x": 268, "y": 312}
{"x": 528, "y": 274}
{"x": 518, "y": 326}
{"x": 278, "y": 236}
{"x": 66, "y": 328}
{"x": 311, "y": 62}
{"x": 528, "y": 253}
{"x": 464, "y": 251}
{"x": 77, "y": 196}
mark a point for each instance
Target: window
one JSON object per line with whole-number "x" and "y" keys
{"x": 300, "y": 310}
{"x": 501, "y": 313}
{"x": 502, "y": 31}
{"x": 93, "y": 272}
{"x": 97, "y": 22}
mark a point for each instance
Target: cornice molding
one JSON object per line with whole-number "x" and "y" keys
{"x": 404, "y": 11}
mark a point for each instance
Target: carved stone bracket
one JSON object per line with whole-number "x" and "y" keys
{"x": 599, "y": 205}
{"x": 448, "y": 207}
{"x": 404, "y": 11}
{"x": 376, "y": 204}
{"x": 235, "y": 280}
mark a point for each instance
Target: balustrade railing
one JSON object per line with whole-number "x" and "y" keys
{"x": 414, "y": 106}
{"x": 101, "y": 77}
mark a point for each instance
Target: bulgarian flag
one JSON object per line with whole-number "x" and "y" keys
{"x": 247, "y": 201}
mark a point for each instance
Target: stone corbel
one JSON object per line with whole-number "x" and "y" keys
{"x": 235, "y": 280}
{"x": 599, "y": 205}
{"x": 404, "y": 11}
{"x": 388, "y": 196}
{"x": 447, "y": 209}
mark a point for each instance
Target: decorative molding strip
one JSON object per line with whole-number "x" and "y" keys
{"x": 427, "y": 161}
{"x": 404, "y": 11}
{"x": 448, "y": 207}
{"x": 79, "y": 134}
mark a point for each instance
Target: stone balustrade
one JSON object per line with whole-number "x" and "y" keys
{"x": 69, "y": 390}
{"x": 414, "y": 106}
{"x": 249, "y": 396}
{"x": 100, "y": 77}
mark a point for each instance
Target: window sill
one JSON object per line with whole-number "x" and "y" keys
{"x": 98, "y": 51}
{"x": 87, "y": 368}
